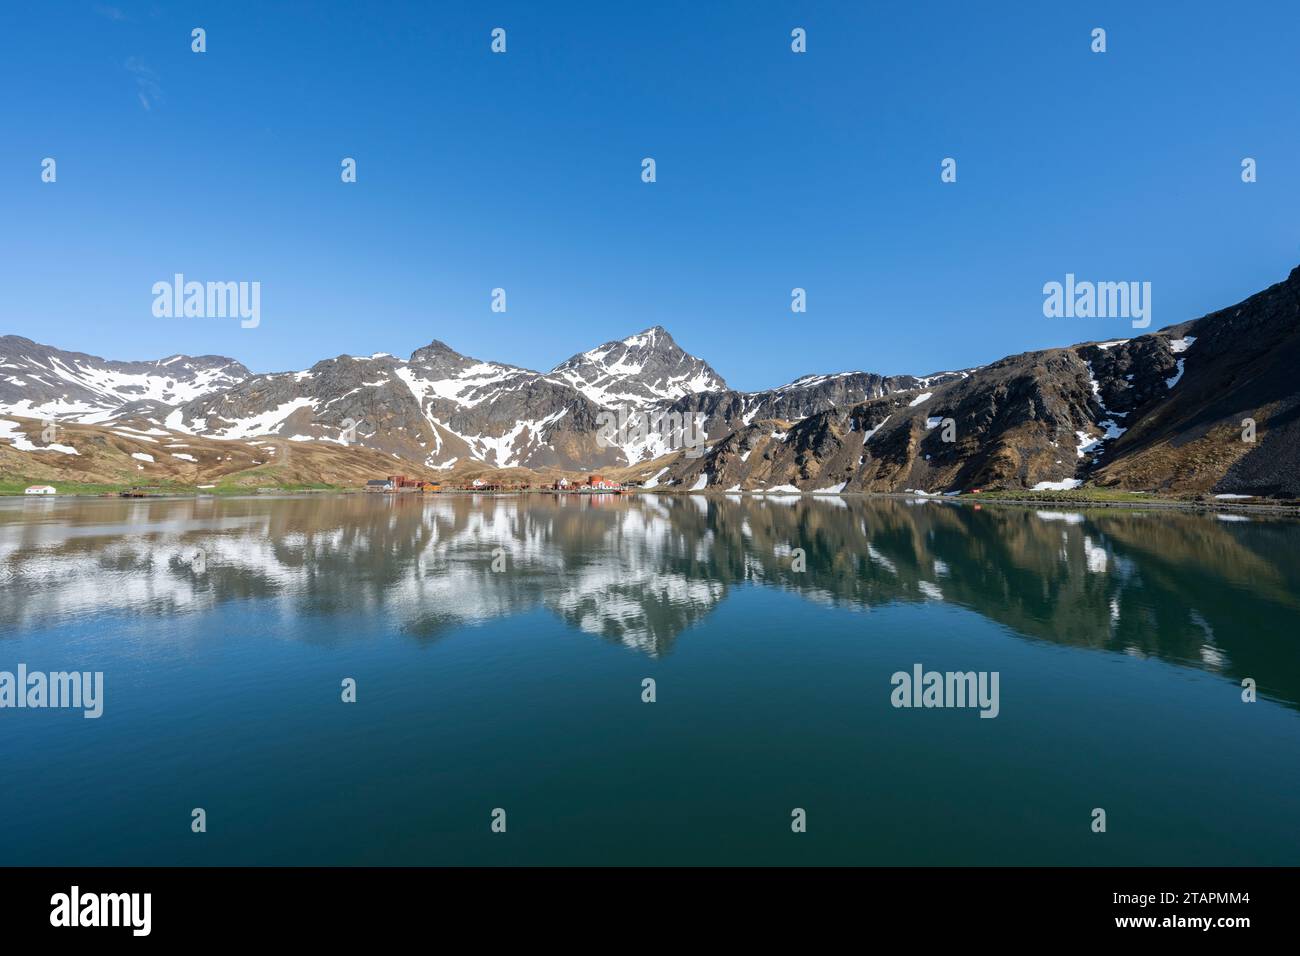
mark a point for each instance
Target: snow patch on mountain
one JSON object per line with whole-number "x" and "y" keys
{"x": 20, "y": 442}
{"x": 1068, "y": 484}
{"x": 866, "y": 437}
{"x": 1111, "y": 429}
{"x": 1177, "y": 376}
{"x": 266, "y": 423}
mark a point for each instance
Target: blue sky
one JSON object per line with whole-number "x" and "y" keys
{"x": 522, "y": 171}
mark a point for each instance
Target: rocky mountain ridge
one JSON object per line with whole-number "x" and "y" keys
{"x": 438, "y": 408}
{"x": 1208, "y": 405}
{"x": 44, "y": 382}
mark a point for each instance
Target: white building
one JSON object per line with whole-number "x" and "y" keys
{"x": 40, "y": 490}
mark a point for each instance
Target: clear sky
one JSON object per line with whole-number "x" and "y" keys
{"x": 523, "y": 171}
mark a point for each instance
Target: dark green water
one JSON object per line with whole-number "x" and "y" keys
{"x": 1120, "y": 638}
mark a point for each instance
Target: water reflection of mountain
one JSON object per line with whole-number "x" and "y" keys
{"x": 1184, "y": 588}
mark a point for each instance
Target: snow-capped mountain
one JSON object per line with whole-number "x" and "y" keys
{"x": 1175, "y": 410}
{"x": 641, "y": 370}
{"x": 438, "y": 408}
{"x": 38, "y": 381}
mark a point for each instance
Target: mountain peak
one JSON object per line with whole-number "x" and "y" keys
{"x": 642, "y": 369}
{"x": 654, "y": 337}
{"x": 434, "y": 350}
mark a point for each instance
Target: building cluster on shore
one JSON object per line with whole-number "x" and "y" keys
{"x": 401, "y": 484}
{"x": 593, "y": 483}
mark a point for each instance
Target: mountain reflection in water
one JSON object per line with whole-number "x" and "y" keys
{"x": 640, "y": 570}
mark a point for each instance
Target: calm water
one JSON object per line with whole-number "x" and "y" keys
{"x": 1121, "y": 640}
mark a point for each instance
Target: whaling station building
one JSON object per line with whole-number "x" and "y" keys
{"x": 403, "y": 484}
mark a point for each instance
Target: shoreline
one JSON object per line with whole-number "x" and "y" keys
{"x": 1263, "y": 506}
{"x": 1236, "y": 506}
